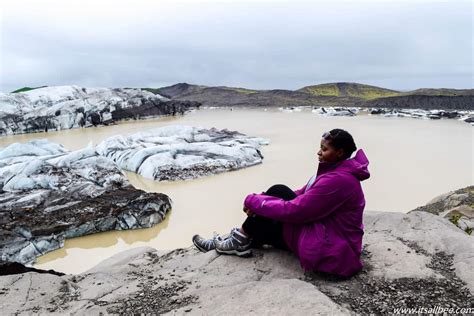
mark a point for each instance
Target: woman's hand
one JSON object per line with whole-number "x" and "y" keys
{"x": 248, "y": 212}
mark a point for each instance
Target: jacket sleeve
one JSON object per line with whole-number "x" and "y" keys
{"x": 300, "y": 191}
{"x": 319, "y": 201}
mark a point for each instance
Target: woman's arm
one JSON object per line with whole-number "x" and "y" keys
{"x": 300, "y": 191}
{"x": 319, "y": 201}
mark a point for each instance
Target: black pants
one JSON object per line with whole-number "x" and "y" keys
{"x": 266, "y": 231}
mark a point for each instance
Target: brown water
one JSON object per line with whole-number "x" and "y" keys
{"x": 411, "y": 161}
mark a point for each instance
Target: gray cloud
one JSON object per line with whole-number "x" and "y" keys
{"x": 264, "y": 44}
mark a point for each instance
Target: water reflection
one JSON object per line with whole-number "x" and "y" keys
{"x": 148, "y": 185}
{"x": 146, "y": 234}
{"x": 106, "y": 240}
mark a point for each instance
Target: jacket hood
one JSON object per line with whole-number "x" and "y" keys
{"x": 356, "y": 166}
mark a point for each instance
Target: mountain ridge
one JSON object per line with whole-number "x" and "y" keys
{"x": 327, "y": 94}
{"x": 346, "y": 94}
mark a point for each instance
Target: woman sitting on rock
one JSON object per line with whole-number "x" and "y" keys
{"x": 321, "y": 222}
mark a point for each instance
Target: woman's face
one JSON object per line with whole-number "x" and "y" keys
{"x": 327, "y": 153}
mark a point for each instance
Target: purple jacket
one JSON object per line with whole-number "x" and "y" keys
{"x": 323, "y": 224}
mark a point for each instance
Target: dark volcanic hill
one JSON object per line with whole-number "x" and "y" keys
{"x": 330, "y": 94}
{"x": 229, "y": 96}
{"x": 443, "y": 92}
{"x": 462, "y": 102}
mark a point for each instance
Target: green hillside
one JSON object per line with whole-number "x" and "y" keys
{"x": 24, "y": 89}
{"x": 240, "y": 90}
{"x": 441, "y": 91}
{"x": 152, "y": 90}
{"x": 348, "y": 89}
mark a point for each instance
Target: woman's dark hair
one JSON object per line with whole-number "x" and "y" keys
{"x": 341, "y": 139}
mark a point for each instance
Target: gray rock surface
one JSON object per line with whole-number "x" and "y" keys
{"x": 49, "y": 194}
{"x": 65, "y": 107}
{"x": 457, "y": 206}
{"x": 411, "y": 260}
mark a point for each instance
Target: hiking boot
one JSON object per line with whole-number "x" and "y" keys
{"x": 206, "y": 245}
{"x": 235, "y": 244}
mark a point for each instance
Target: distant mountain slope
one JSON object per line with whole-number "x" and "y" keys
{"x": 349, "y": 89}
{"x": 331, "y": 94}
{"x": 184, "y": 89}
{"x": 25, "y": 89}
{"x": 177, "y": 90}
{"x": 462, "y": 102}
{"x": 442, "y": 91}
{"x": 231, "y": 96}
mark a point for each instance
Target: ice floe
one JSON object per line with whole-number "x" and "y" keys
{"x": 182, "y": 152}
{"x": 48, "y": 193}
{"x": 64, "y": 107}
{"x": 335, "y": 111}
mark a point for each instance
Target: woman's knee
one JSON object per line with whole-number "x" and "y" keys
{"x": 281, "y": 191}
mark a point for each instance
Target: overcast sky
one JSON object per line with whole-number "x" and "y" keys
{"x": 254, "y": 44}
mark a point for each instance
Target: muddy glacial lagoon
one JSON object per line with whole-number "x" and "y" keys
{"x": 411, "y": 161}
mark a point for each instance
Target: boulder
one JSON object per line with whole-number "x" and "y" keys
{"x": 457, "y": 206}
{"x": 462, "y": 216}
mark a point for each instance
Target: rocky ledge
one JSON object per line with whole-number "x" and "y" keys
{"x": 182, "y": 152}
{"x": 415, "y": 260}
{"x": 65, "y": 107}
{"x": 457, "y": 206}
{"x": 48, "y": 194}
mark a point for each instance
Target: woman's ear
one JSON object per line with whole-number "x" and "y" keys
{"x": 340, "y": 153}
